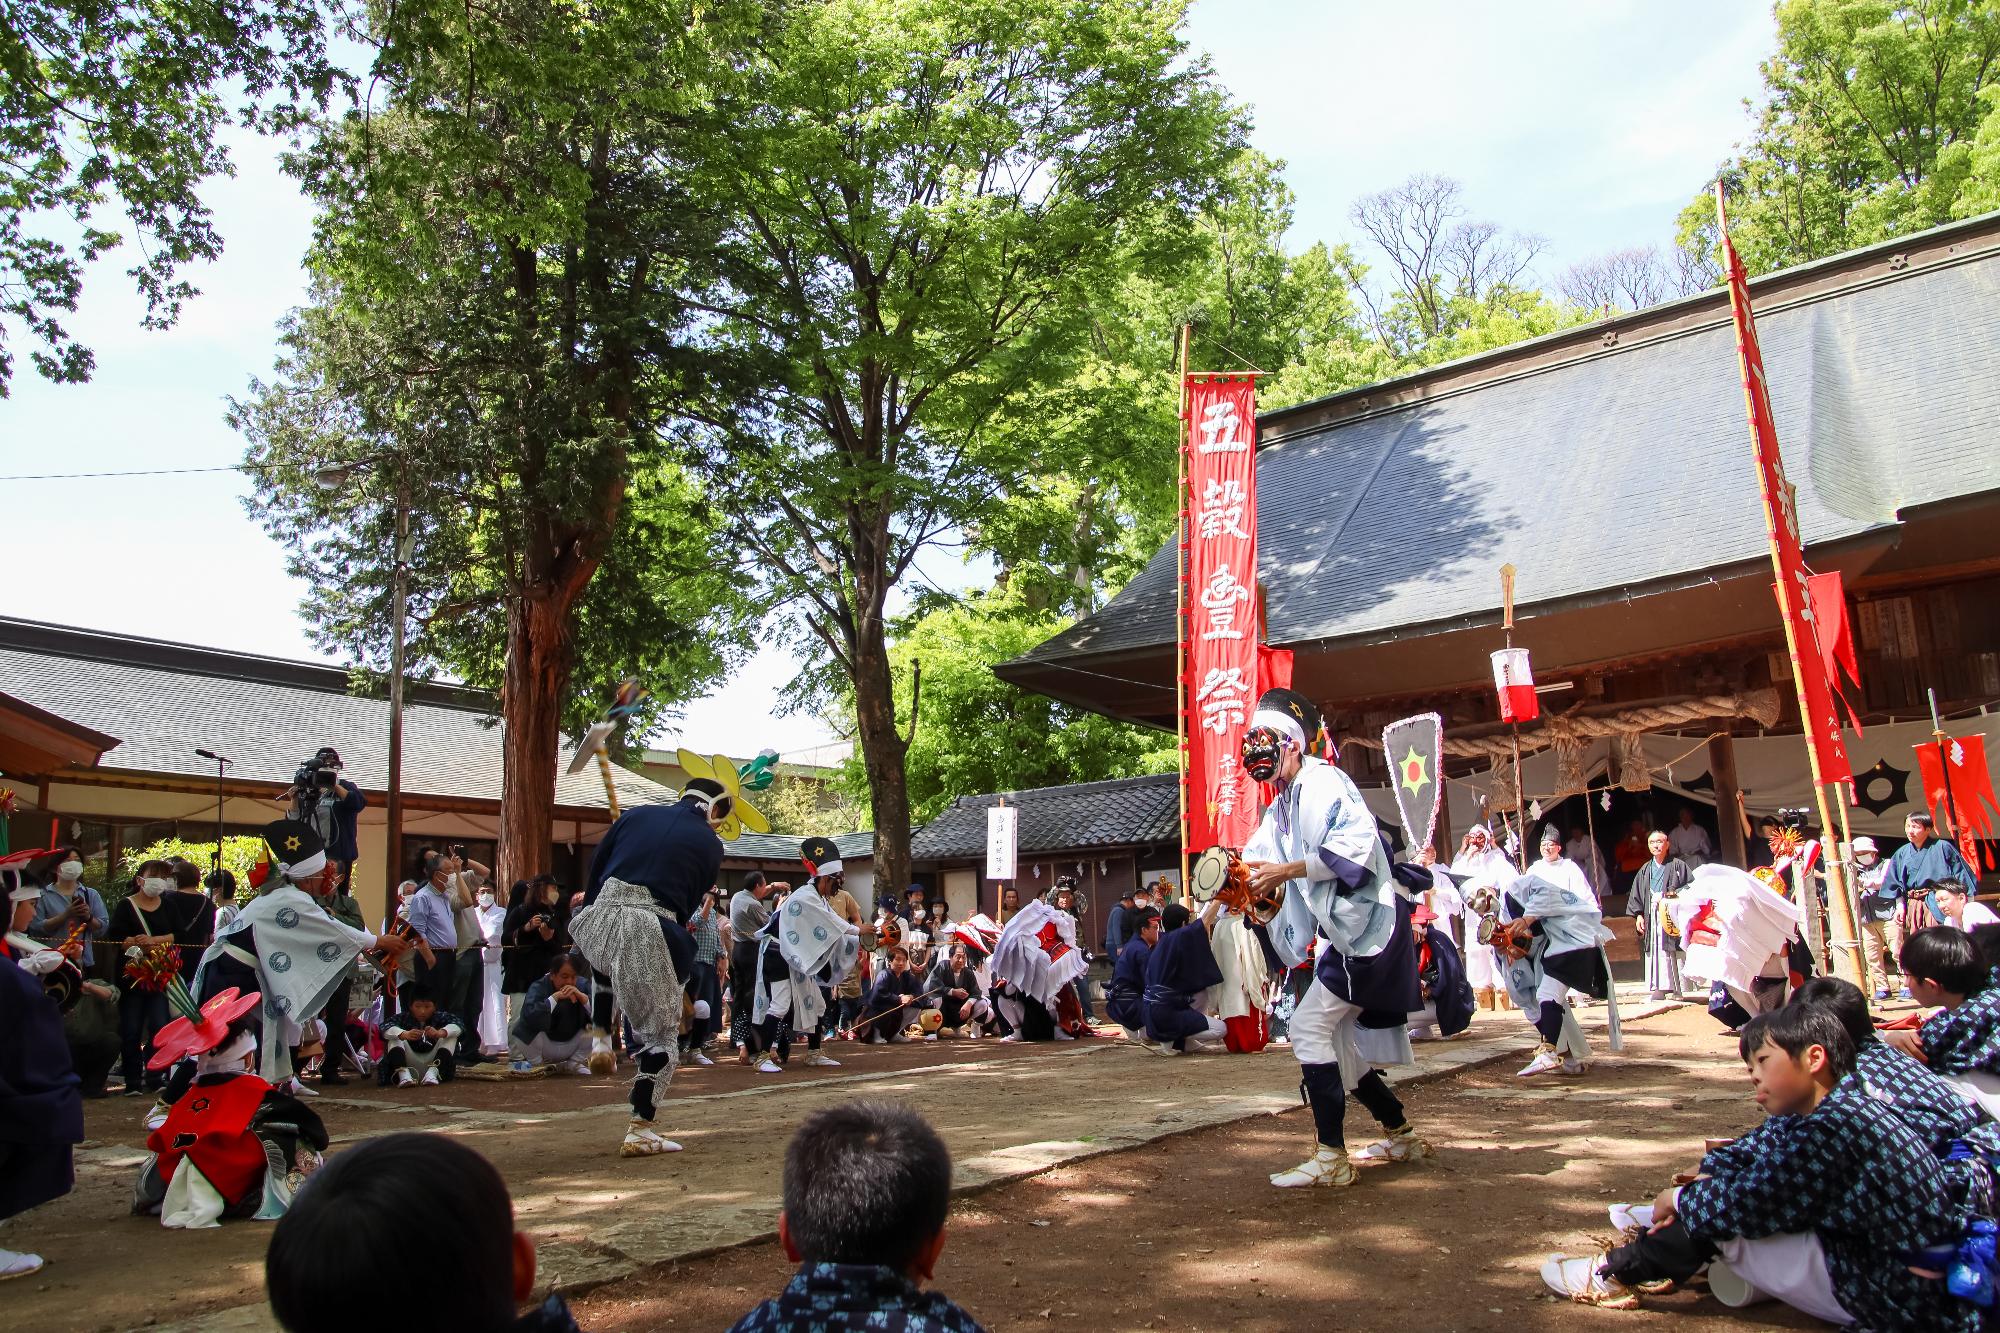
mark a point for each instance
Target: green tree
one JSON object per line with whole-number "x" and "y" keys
{"x": 119, "y": 106}
{"x": 502, "y": 325}
{"x": 1869, "y": 129}
{"x": 931, "y": 195}
{"x": 799, "y": 808}
{"x": 976, "y": 733}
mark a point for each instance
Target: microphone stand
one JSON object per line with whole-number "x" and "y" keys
{"x": 220, "y": 764}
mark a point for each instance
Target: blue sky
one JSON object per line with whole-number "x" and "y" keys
{"x": 1588, "y": 123}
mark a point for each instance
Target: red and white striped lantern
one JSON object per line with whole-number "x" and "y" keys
{"x": 1516, "y": 683}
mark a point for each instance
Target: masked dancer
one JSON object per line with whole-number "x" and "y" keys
{"x": 648, "y": 876}
{"x": 1320, "y": 845}
{"x": 1552, "y": 943}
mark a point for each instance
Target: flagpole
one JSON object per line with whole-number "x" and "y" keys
{"x": 1944, "y": 764}
{"x": 1513, "y": 725}
{"x": 1180, "y": 599}
{"x": 1849, "y": 943}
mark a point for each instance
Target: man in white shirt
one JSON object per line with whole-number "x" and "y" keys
{"x": 1583, "y": 849}
{"x": 1959, "y": 908}
{"x": 1689, "y": 841}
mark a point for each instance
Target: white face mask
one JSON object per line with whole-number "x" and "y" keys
{"x": 156, "y": 886}
{"x": 70, "y": 871}
{"x": 486, "y": 900}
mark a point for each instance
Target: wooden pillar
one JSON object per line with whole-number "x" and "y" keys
{"x": 1441, "y": 830}
{"x": 1728, "y": 800}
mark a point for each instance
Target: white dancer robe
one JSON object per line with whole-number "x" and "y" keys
{"x": 301, "y": 955}
{"x": 1488, "y": 868}
{"x": 1348, "y": 897}
{"x": 493, "y": 1010}
{"x": 1246, "y": 976}
{"x": 1755, "y": 923}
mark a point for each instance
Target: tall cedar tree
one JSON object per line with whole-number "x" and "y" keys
{"x": 500, "y": 324}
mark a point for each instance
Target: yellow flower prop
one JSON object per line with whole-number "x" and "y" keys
{"x": 742, "y": 814}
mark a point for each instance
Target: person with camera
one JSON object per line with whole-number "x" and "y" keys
{"x": 330, "y": 804}
{"x": 534, "y": 934}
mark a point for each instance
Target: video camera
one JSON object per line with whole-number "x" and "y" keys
{"x": 322, "y": 771}
{"x": 1794, "y": 818}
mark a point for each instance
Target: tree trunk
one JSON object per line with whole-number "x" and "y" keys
{"x": 882, "y": 756}
{"x": 541, "y": 654}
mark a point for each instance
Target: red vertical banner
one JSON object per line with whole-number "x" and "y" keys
{"x": 1781, "y": 519}
{"x": 1222, "y": 631}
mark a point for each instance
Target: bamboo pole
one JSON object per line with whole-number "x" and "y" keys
{"x": 1840, "y": 909}
{"x": 1180, "y": 598}
{"x": 1520, "y": 795}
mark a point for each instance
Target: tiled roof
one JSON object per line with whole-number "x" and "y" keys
{"x": 1622, "y": 466}
{"x": 1121, "y": 812}
{"x": 165, "y": 700}
{"x": 783, "y": 847}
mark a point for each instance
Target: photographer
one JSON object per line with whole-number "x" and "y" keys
{"x": 67, "y": 903}
{"x": 534, "y": 935}
{"x": 330, "y": 803}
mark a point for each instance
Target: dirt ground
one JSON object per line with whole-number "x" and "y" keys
{"x": 1187, "y": 1233}
{"x": 1129, "y": 1230}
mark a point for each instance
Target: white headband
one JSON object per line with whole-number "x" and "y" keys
{"x": 825, "y": 868}
{"x": 305, "y": 869}
{"x": 1278, "y": 720}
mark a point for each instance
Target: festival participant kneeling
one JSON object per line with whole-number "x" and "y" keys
{"x": 652, "y": 870}
{"x": 1125, "y": 1001}
{"x": 891, "y": 1005}
{"x": 961, "y": 1004}
{"x": 1320, "y": 845}
{"x": 867, "y": 1186}
{"x": 356, "y": 1222}
{"x": 1181, "y": 967}
{"x": 1554, "y": 943}
{"x": 228, "y": 1132}
{"x": 421, "y": 1042}
{"x": 1961, "y": 1042}
{"x": 554, "y": 1023}
{"x": 1832, "y": 1205}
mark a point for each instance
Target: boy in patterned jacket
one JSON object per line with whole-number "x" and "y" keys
{"x": 1823, "y": 1206}
{"x": 1943, "y": 966}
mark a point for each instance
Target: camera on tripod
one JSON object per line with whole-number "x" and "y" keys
{"x": 1794, "y": 818}
{"x": 315, "y": 777}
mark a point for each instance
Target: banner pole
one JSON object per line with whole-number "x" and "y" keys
{"x": 1520, "y": 796}
{"x": 1944, "y": 763}
{"x": 1849, "y": 944}
{"x": 1181, "y": 600}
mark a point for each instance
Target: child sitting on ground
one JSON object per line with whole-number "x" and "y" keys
{"x": 330, "y": 1254}
{"x": 889, "y": 1009}
{"x": 867, "y": 1186}
{"x": 421, "y": 1040}
{"x": 554, "y": 1024}
{"x": 1961, "y": 1042}
{"x": 1822, "y": 1206}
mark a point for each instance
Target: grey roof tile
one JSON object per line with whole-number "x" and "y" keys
{"x": 1615, "y": 469}
{"x": 1120, "y": 812}
{"x": 162, "y": 714}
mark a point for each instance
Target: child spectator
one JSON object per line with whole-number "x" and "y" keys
{"x": 867, "y": 1185}
{"x": 1822, "y": 1206}
{"x": 330, "y": 1253}
{"x": 554, "y": 1023}
{"x": 1961, "y": 1042}
{"x": 889, "y": 1010}
{"x": 421, "y": 1040}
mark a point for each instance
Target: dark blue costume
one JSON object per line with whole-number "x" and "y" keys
{"x": 41, "y": 1099}
{"x": 886, "y": 998}
{"x": 1965, "y": 1039}
{"x": 1446, "y": 981}
{"x": 674, "y": 854}
{"x": 1854, "y": 1174}
{"x": 833, "y": 1298}
{"x": 1182, "y": 966}
{"x": 1125, "y": 1002}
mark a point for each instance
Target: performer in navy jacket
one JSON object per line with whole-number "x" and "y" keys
{"x": 1125, "y": 1002}
{"x": 1181, "y": 968}
{"x": 648, "y": 876}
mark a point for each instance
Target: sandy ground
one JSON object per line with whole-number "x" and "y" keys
{"x": 1152, "y": 1213}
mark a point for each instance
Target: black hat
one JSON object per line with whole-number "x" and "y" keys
{"x": 296, "y": 848}
{"x": 1285, "y": 710}
{"x": 821, "y": 855}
